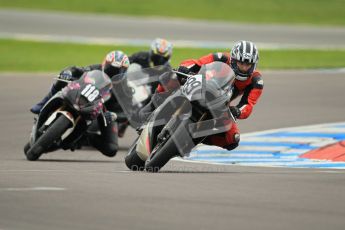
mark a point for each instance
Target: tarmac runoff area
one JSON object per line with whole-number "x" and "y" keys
{"x": 85, "y": 190}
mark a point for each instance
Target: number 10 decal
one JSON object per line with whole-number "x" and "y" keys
{"x": 90, "y": 92}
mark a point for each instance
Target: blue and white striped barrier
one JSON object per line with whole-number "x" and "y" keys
{"x": 280, "y": 147}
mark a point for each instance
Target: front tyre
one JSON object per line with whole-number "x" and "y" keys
{"x": 166, "y": 149}
{"x": 27, "y": 147}
{"x": 132, "y": 160}
{"x": 161, "y": 156}
{"x": 53, "y": 133}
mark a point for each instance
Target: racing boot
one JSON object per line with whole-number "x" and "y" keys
{"x": 107, "y": 142}
{"x": 122, "y": 128}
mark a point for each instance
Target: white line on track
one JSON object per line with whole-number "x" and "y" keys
{"x": 335, "y": 172}
{"x": 144, "y": 42}
{"x": 31, "y": 170}
{"x": 32, "y": 189}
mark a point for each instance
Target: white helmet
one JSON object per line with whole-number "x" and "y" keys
{"x": 244, "y": 51}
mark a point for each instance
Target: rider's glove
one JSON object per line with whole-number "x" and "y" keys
{"x": 77, "y": 71}
{"x": 71, "y": 73}
{"x": 236, "y": 112}
{"x": 181, "y": 77}
{"x": 66, "y": 75}
{"x": 183, "y": 69}
{"x": 110, "y": 117}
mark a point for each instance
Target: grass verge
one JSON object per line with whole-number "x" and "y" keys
{"x": 29, "y": 56}
{"x": 317, "y": 12}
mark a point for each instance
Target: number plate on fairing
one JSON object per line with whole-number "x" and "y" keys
{"x": 192, "y": 89}
{"x": 90, "y": 92}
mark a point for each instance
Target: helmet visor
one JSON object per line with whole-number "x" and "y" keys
{"x": 159, "y": 59}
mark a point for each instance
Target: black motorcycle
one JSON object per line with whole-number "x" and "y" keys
{"x": 190, "y": 114}
{"x": 64, "y": 119}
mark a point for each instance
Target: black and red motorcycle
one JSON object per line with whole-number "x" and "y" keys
{"x": 64, "y": 119}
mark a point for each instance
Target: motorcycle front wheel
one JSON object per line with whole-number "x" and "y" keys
{"x": 53, "y": 133}
{"x": 167, "y": 149}
{"x": 132, "y": 160}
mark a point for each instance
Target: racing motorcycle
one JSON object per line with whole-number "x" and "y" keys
{"x": 64, "y": 119}
{"x": 192, "y": 112}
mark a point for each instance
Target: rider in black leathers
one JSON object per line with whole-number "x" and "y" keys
{"x": 159, "y": 55}
{"x": 115, "y": 62}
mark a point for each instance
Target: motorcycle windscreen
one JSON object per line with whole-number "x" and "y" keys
{"x": 99, "y": 80}
{"x": 217, "y": 90}
{"x": 134, "y": 89}
{"x": 218, "y": 74}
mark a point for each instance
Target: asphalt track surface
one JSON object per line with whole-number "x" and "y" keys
{"x": 85, "y": 190}
{"x": 141, "y": 30}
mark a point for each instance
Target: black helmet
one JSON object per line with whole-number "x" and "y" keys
{"x": 161, "y": 51}
{"x": 244, "y": 51}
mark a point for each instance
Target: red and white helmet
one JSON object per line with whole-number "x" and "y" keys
{"x": 115, "y": 62}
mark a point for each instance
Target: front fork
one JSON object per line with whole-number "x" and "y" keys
{"x": 60, "y": 111}
{"x": 164, "y": 134}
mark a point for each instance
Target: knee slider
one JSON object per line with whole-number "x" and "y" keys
{"x": 237, "y": 138}
{"x": 234, "y": 144}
